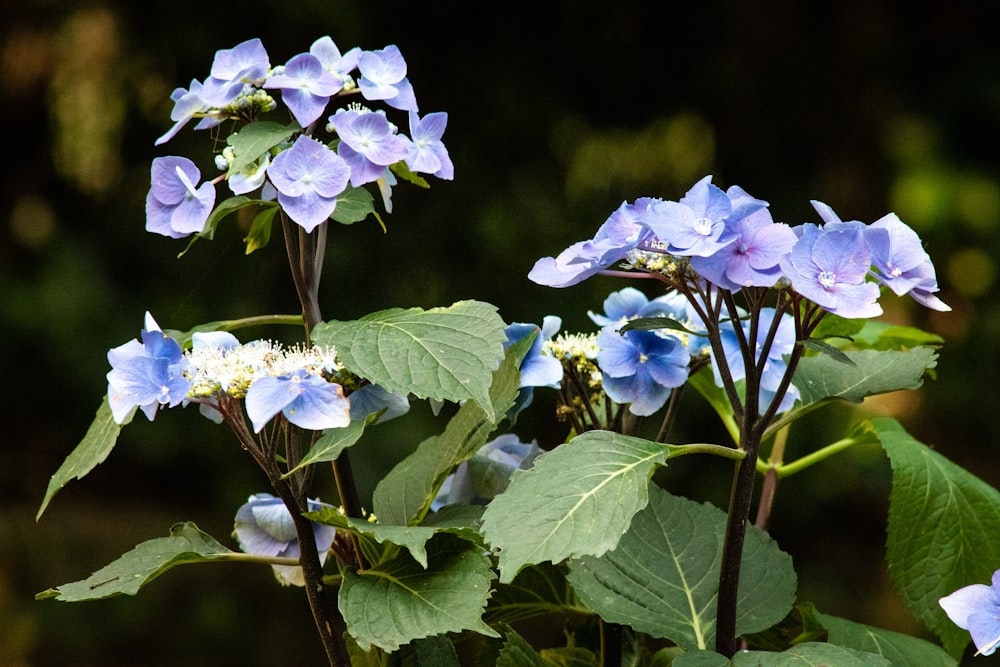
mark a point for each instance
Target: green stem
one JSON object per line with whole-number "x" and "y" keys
{"x": 812, "y": 459}
{"x": 706, "y": 448}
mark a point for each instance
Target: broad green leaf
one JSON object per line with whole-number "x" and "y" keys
{"x": 536, "y": 590}
{"x": 883, "y": 336}
{"x": 394, "y": 603}
{"x": 517, "y": 652}
{"x": 460, "y": 520}
{"x": 404, "y": 495}
{"x": 260, "y": 231}
{"x": 700, "y": 659}
{"x": 873, "y": 372}
{"x": 98, "y": 442}
{"x": 810, "y": 654}
{"x": 138, "y": 567}
{"x": 329, "y": 445}
{"x": 943, "y": 532}
{"x": 575, "y": 500}
{"x": 654, "y": 323}
{"x": 403, "y": 171}
{"x": 437, "y": 651}
{"x": 443, "y": 353}
{"x": 255, "y": 139}
{"x": 899, "y": 649}
{"x": 353, "y": 205}
{"x": 663, "y": 577}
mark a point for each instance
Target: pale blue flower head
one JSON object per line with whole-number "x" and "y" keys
{"x": 234, "y": 69}
{"x": 175, "y": 206}
{"x": 829, "y": 265}
{"x": 383, "y": 77}
{"x": 487, "y": 473}
{"x": 641, "y": 367}
{"x": 696, "y": 225}
{"x": 373, "y": 398}
{"x": 622, "y": 232}
{"x": 427, "y": 154}
{"x": 306, "y": 87}
{"x": 629, "y": 303}
{"x": 187, "y": 104}
{"x": 901, "y": 262}
{"x": 341, "y": 66}
{"x": 368, "y": 143}
{"x": 305, "y": 399}
{"x": 264, "y": 527}
{"x": 148, "y": 374}
{"x": 976, "y": 608}
{"x": 308, "y": 177}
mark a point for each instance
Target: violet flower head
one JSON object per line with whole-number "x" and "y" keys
{"x": 694, "y": 226}
{"x": 622, "y": 232}
{"x": 901, "y": 262}
{"x": 234, "y": 69}
{"x": 427, "y": 154}
{"x": 829, "y": 266}
{"x": 308, "y": 177}
{"x": 305, "y": 399}
{"x": 175, "y": 207}
{"x": 187, "y": 104}
{"x": 383, "y": 77}
{"x": 264, "y": 527}
{"x": 976, "y": 608}
{"x": 752, "y": 258}
{"x": 368, "y": 143}
{"x": 341, "y": 66}
{"x": 641, "y": 367}
{"x": 306, "y": 87}
{"x": 147, "y": 374}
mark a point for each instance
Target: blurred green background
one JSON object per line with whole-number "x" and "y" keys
{"x": 558, "y": 112}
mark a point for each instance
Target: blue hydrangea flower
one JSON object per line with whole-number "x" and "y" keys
{"x": 829, "y": 265}
{"x": 696, "y": 225}
{"x": 341, "y": 66}
{"x": 537, "y": 369}
{"x": 308, "y": 177}
{"x": 147, "y": 375}
{"x": 187, "y": 104}
{"x": 487, "y": 473}
{"x": 383, "y": 77}
{"x": 641, "y": 367}
{"x": 427, "y": 154}
{"x": 901, "y": 262}
{"x": 753, "y": 258}
{"x": 976, "y": 608}
{"x": 175, "y": 207}
{"x": 306, "y": 400}
{"x": 622, "y": 232}
{"x": 264, "y": 527}
{"x": 373, "y": 398}
{"x": 306, "y": 87}
{"x": 629, "y": 303}
{"x": 368, "y": 143}
{"x": 233, "y": 70}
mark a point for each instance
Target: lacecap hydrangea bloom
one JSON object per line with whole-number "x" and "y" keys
{"x": 149, "y": 374}
{"x": 264, "y": 527}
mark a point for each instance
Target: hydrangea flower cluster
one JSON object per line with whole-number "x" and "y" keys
{"x": 271, "y": 379}
{"x": 729, "y": 239}
{"x": 306, "y": 176}
{"x": 976, "y": 608}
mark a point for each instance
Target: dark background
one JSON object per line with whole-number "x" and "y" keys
{"x": 557, "y": 113}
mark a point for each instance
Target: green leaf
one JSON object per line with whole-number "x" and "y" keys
{"x": 413, "y": 538}
{"x": 883, "y": 336}
{"x": 825, "y": 348}
{"x": 260, "y": 231}
{"x": 536, "y": 590}
{"x": 576, "y": 499}
{"x": 700, "y": 659}
{"x": 654, "y": 323}
{"x": 873, "y": 372}
{"x": 224, "y": 208}
{"x": 138, "y": 567}
{"x": 394, "y": 603}
{"x": 435, "y": 651}
{"x": 810, "y": 654}
{"x": 329, "y": 445}
{"x": 663, "y": 577}
{"x": 255, "y": 139}
{"x": 405, "y": 494}
{"x": 943, "y": 532}
{"x": 899, "y": 649}
{"x": 403, "y": 171}
{"x": 98, "y": 442}
{"x": 517, "y": 652}
{"x": 444, "y": 353}
{"x": 353, "y": 205}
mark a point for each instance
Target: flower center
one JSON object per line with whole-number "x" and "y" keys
{"x": 827, "y": 279}
{"x": 703, "y": 226}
